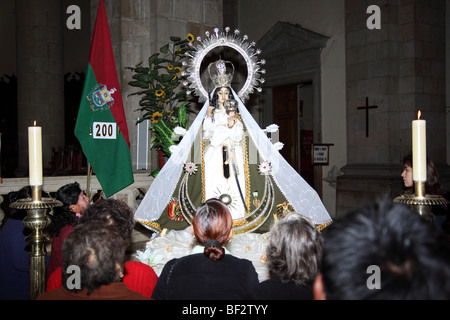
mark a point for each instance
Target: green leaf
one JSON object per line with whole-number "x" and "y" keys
{"x": 175, "y": 39}
{"x": 155, "y": 173}
{"x": 139, "y": 84}
{"x": 164, "y": 49}
{"x": 164, "y": 135}
{"x": 159, "y": 61}
{"x": 152, "y": 59}
{"x": 142, "y": 70}
{"x": 182, "y": 116}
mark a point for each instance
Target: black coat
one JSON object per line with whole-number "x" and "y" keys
{"x": 274, "y": 289}
{"x": 196, "y": 277}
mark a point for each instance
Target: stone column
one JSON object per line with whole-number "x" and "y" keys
{"x": 40, "y": 78}
{"x": 401, "y": 69}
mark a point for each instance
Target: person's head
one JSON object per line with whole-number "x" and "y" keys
{"x": 230, "y": 107}
{"x": 432, "y": 185}
{"x": 212, "y": 227}
{"x": 73, "y": 197}
{"x": 74, "y": 203}
{"x": 99, "y": 253}
{"x": 111, "y": 212}
{"x": 407, "y": 173}
{"x": 294, "y": 250}
{"x": 220, "y": 95}
{"x": 383, "y": 251}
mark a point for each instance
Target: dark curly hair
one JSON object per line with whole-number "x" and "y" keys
{"x": 99, "y": 252}
{"x": 111, "y": 212}
{"x": 411, "y": 254}
{"x": 62, "y": 216}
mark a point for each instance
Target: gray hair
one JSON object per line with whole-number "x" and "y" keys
{"x": 294, "y": 250}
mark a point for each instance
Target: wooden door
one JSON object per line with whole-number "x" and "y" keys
{"x": 285, "y": 115}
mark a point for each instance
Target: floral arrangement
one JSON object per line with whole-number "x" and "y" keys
{"x": 163, "y": 101}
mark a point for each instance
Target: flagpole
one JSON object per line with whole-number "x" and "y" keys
{"x": 88, "y": 182}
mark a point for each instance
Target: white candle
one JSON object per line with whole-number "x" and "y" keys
{"x": 35, "y": 155}
{"x": 419, "y": 148}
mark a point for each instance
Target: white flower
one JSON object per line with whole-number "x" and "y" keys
{"x": 148, "y": 257}
{"x": 272, "y": 128}
{"x": 179, "y": 131}
{"x": 264, "y": 168}
{"x": 278, "y": 145}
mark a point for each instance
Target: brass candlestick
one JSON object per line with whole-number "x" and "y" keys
{"x": 422, "y": 202}
{"x": 37, "y": 221}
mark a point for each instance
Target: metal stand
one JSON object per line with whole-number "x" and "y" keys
{"x": 37, "y": 221}
{"x": 422, "y": 202}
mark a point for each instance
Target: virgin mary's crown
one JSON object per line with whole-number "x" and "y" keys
{"x": 221, "y": 73}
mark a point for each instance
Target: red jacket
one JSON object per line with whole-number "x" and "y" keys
{"x": 56, "y": 254}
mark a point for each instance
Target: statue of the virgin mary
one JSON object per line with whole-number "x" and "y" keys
{"x": 226, "y": 155}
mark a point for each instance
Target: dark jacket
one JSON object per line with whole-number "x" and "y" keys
{"x": 274, "y": 289}
{"x": 196, "y": 277}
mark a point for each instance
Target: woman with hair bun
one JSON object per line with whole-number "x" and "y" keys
{"x": 210, "y": 272}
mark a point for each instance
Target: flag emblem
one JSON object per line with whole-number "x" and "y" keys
{"x": 100, "y": 98}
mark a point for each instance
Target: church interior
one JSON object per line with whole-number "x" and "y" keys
{"x": 338, "y": 74}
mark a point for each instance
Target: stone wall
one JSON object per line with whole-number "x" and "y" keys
{"x": 401, "y": 69}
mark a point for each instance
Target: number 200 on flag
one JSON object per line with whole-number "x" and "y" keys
{"x": 104, "y": 130}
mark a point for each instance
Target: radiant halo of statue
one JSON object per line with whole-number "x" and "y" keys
{"x": 224, "y": 39}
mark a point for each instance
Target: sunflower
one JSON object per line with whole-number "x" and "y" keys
{"x": 178, "y": 70}
{"x": 190, "y": 37}
{"x": 159, "y": 93}
{"x": 156, "y": 116}
{"x": 169, "y": 112}
{"x": 170, "y": 67}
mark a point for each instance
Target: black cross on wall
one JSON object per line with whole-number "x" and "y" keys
{"x": 367, "y": 107}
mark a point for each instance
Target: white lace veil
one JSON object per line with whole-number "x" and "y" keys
{"x": 297, "y": 191}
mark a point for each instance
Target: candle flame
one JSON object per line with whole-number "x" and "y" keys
{"x": 419, "y": 114}
{"x": 34, "y": 123}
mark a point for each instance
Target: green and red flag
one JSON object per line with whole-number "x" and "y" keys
{"x": 101, "y": 126}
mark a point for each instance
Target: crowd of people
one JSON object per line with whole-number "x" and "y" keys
{"x": 381, "y": 251}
